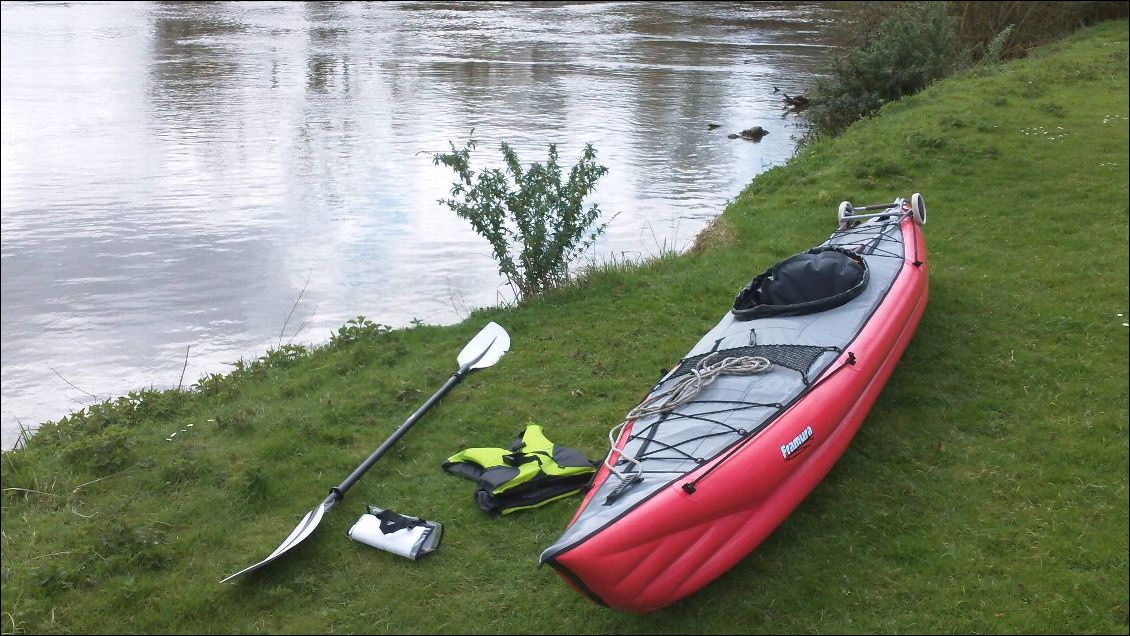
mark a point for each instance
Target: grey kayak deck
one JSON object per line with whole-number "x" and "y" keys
{"x": 733, "y": 408}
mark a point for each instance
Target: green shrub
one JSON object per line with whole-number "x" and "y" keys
{"x": 536, "y": 225}
{"x": 357, "y": 329}
{"x": 912, "y": 47}
{"x": 906, "y": 46}
{"x": 103, "y": 453}
{"x": 123, "y": 548}
{"x": 282, "y": 357}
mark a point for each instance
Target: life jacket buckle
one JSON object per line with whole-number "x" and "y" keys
{"x": 517, "y": 458}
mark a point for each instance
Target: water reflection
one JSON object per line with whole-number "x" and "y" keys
{"x": 183, "y": 176}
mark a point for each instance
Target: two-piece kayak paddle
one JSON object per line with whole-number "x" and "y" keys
{"x": 482, "y": 351}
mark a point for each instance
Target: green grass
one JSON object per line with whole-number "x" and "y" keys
{"x": 986, "y": 491}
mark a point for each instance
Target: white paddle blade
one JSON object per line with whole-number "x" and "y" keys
{"x": 486, "y": 348}
{"x": 304, "y": 529}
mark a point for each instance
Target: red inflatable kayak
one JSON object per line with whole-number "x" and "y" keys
{"x": 732, "y": 440}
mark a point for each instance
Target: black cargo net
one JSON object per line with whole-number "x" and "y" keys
{"x": 655, "y": 453}
{"x": 873, "y": 239}
{"x": 659, "y": 454}
{"x": 648, "y": 455}
{"x": 799, "y": 358}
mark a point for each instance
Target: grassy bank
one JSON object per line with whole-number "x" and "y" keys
{"x": 986, "y": 492}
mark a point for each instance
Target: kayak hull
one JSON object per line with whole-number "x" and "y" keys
{"x": 689, "y": 532}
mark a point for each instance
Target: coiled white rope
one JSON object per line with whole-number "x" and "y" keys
{"x": 686, "y": 389}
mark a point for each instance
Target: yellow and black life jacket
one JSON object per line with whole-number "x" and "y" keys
{"x": 532, "y": 472}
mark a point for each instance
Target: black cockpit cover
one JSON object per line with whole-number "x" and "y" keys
{"x": 816, "y": 280}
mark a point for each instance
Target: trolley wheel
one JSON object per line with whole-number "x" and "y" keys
{"x": 918, "y": 208}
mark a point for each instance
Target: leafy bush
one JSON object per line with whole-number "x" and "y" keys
{"x": 103, "y": 453}
{"x": 912, "y": 47}
{"x": 357, "y": 329}
{"x": 906, "y": 46}
{"x": 124, "y": 548}
{"x": 282, "y": 357}
{"x": 536, "y": 225}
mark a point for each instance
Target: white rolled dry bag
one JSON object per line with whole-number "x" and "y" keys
{"x": 386, "y": 530}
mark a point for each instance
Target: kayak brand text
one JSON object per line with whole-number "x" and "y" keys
{"x": 788, "y": 451}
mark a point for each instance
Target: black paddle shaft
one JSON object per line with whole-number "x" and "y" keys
{"x": 484, "y": 343}
{"x": 338, "y": 493}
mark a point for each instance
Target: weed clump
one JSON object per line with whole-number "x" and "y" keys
{"x": 536, "y": 224}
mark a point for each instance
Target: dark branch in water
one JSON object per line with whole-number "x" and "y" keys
{"x": 303, "y": 326}
{"x": 294, "y": 306}
{"x": 71, "y": 385}
{"x": 180, "y": 383}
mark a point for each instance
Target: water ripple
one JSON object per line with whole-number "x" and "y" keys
{"x": 182, "y": 175}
